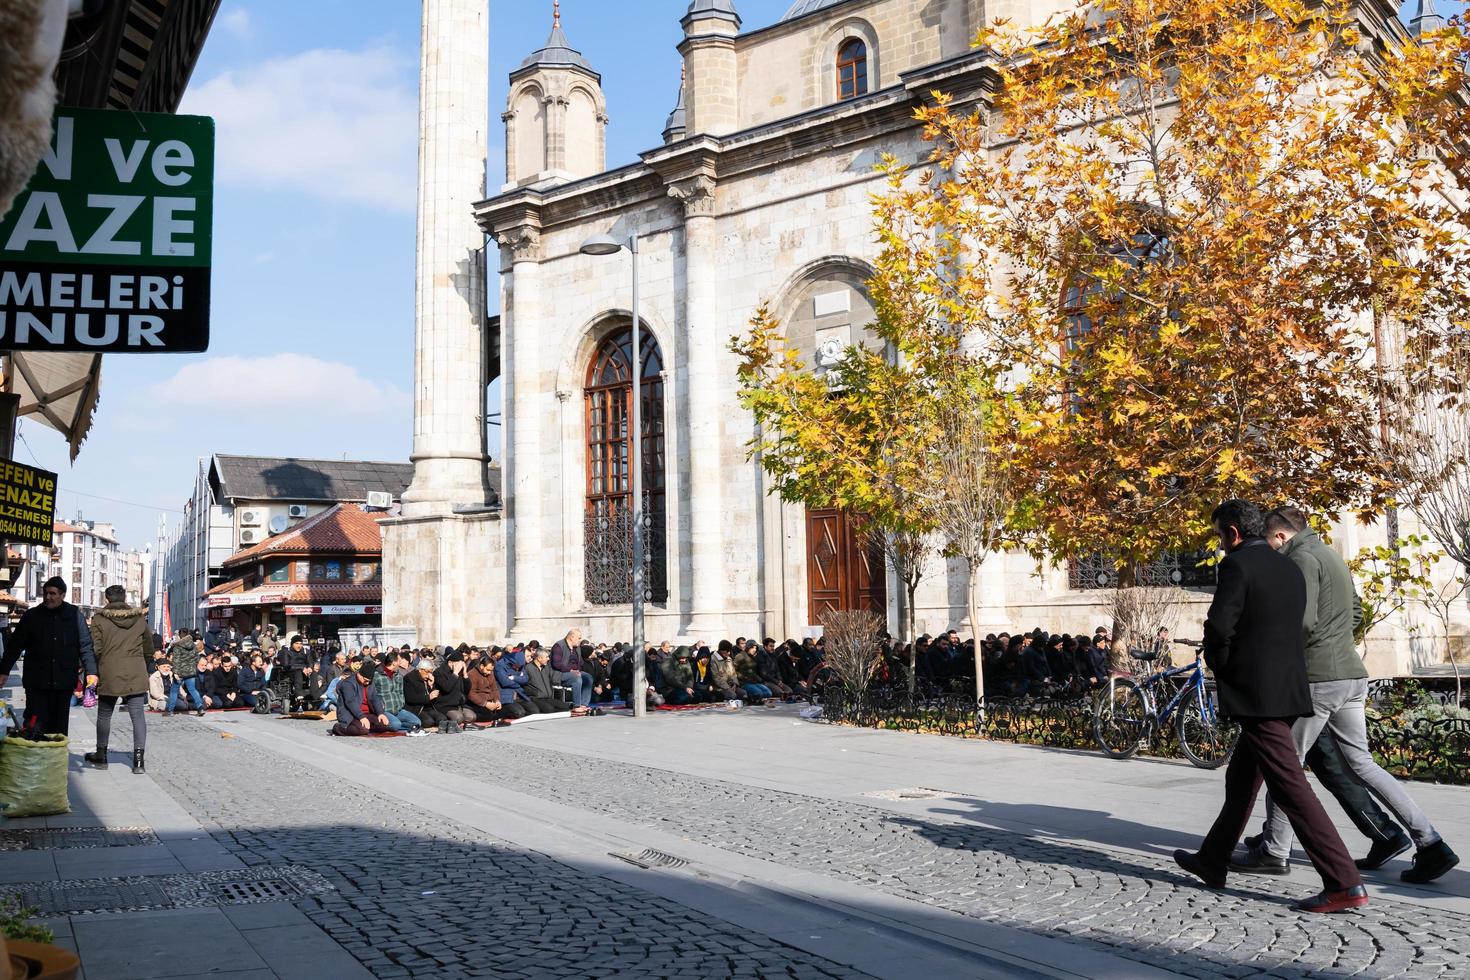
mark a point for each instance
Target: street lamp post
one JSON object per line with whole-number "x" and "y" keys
{"x": 607, "y": 245}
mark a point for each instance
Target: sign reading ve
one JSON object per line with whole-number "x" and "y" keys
{"x": 27, "y": 503}
{"x": 108, "y": 247}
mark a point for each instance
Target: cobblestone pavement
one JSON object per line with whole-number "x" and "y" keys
{"x": 1136, "y": 906}
{"x": 489, "y": 911}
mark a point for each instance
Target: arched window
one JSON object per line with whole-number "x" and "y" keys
{"x": 852, "y": 69}
{"x": 609, "y": 508}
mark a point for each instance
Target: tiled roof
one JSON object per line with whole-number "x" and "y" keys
{"x": 343, "y": 529}
{"x": 265, "y": 478}
{"x": 227, "y": 588}
{"x": 803, "y": 7}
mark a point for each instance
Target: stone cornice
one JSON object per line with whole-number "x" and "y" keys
{"x": 697, "y": 195}
{"x": 686, "y": 163}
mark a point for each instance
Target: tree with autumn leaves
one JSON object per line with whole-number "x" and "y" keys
{"x": 1158, "y": 266}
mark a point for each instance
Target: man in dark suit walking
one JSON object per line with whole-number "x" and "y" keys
{"x": 1254, "y": 646}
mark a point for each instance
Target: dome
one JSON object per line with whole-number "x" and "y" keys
{"x": 723, "y": 9}
{"x": 803, "y": 7}
{"x": 557, "y": 52}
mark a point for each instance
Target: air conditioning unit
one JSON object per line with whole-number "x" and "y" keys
{"x": 380, "y": 499}
{"x": 252, "y": 535}
{"x": 252, "y": 518}
{"x": 296, "y": 511}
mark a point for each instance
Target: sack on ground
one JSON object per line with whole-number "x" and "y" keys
{"x": 33, "y": 776}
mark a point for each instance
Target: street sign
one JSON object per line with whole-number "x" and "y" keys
{"x": 108, "y": 247}
{"x": 27, "y": 504}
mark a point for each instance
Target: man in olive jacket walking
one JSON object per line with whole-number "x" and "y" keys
{"x": 1253, "y": 644}
{"x": 124, "y": 647}
{"x": 1339, "y": 687}
{"x": 56, "y": 643}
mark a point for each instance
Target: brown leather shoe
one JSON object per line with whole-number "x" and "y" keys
{"x": 1355, "y": 897}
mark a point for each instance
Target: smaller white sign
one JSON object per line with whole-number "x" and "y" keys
{"x": 826, "y": 304}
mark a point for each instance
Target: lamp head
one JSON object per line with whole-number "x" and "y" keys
{"x": 601, "y": 245}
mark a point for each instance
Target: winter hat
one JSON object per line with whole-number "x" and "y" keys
{"x": 367, "y": 669}
{"x": 454, "y": 657}
{"x": 681, "y": 653}
{"x": 726, "y": 646}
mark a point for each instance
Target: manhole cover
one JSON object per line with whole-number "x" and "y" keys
{"x": 141, "y": 893}
{"x": 905, "y": 794}
{"x": 651, "y": 858}
{"x": 43, "y": 839}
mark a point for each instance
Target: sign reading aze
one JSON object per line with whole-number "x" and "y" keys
{"x": 108, "y": 247}
{"x": 27, "y": 503}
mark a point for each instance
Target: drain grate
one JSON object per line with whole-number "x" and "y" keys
{"x": 144, "y": 893}
{"x": 248, "y": 892}
{"x": 905, "y": 794}
{"x": 651, "y": 858}
{"x": 45, "y": 839}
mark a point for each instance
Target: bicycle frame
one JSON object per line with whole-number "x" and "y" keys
{"x": 1190, "y": 688}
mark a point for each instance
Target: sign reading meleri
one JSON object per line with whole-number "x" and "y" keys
{"x": 108, "y": 247}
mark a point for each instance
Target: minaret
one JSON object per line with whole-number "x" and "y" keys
{"x": 449, "y": 451}
{"x": 674, "y": 128}
{"x": 555, "y": 117}
{"x": 1426, "y": 19}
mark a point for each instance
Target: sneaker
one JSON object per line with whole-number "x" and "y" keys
{"x": 1254, "y": 861}
{"x": 1383, "y": 852}
{"x": 1355, "y": 897}
{"x": 1190, "y": 862}
{"x": 417, "y": 733}
{"x": 1430, "y": 863}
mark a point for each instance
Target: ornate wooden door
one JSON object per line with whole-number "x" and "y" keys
{"x": 843, "y": 570}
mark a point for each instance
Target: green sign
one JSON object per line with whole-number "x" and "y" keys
{"x": 27, "y": 503}
{"x": 107, "y": 248}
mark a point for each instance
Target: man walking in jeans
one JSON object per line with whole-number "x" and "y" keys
{"x": 1253, "y": 644}
{"x": 1339, "y": 685}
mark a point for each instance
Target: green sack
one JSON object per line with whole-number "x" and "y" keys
{"x": 33, "y": 776}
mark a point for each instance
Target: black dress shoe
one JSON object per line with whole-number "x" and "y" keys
{"x": 1383, "y": 852}
{"x": 1254, "y": 861}
{"x": 1430, "y": 862}
{"x": 1190, "y": 862}
{"x": 1326, "y": 902}
{"x": 1253, "y": 842}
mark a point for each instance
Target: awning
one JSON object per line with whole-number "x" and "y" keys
{"x": 57, "y": 390}
{"x": 334, "y": 610}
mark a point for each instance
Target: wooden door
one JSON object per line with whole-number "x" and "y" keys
{"x": 844, "y": 571}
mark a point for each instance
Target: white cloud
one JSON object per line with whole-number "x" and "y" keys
{"x": 284, "y": 388}
{"x": 265, "y": 257}
{"x": 236, "y": 22}
{"x": 338, "y": 125}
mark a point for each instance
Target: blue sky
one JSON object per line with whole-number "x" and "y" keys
{"x": 311, "y": 350}
{"x": 312, "y": 323}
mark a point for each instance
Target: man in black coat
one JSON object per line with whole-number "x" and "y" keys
{"x": 1254, "y": 646}
{"x": 57, "y": 644}
{"x": 566, "y": 660}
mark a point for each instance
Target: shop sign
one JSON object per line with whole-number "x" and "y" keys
{"x": 334, "y": 610}
{"x": 243, "y": 599}
{"x": 108, "y": 247}
{"x": 27, "y": 504}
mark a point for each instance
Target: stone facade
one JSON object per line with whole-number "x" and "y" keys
{"x": 761, "y": 196}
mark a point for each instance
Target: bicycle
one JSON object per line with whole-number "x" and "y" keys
{"x": 1126, "y": 716}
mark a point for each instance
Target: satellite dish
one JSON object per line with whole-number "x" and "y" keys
{"x": 278, "y": 524}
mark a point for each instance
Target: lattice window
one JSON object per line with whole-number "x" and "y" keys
{"x": 608, "y": 526}
{"x": 1181, "y": 568}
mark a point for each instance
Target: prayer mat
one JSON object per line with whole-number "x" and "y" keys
{"x": 333, "y": 732}
{"x": 551, "y": 717}
{"x": 689, "y": 707}
{"x": 306, "y": 715}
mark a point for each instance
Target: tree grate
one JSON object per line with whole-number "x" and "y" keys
{"x": 146, "y": 893}
{"x": 49, "y": 839}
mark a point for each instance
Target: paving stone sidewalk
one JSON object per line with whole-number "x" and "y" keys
{"x": 1133, "y": 905}
{"x": 418, "y": 896}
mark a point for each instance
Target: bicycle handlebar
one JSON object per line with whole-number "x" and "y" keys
{"x": 1194, "y": 644}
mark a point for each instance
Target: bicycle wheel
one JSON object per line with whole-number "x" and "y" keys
{"x": 1207, "y": 739}
{"x": 1120, "y": 719}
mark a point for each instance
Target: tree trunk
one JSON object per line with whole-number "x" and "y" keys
{"x": 910, "y": 588}
{"x": 971, "y": 587}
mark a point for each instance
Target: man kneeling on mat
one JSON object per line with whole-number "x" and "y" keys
{"x": 360, "y": 708}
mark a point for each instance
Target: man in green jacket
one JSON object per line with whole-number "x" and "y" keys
{"x": 1339, "y": 685}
